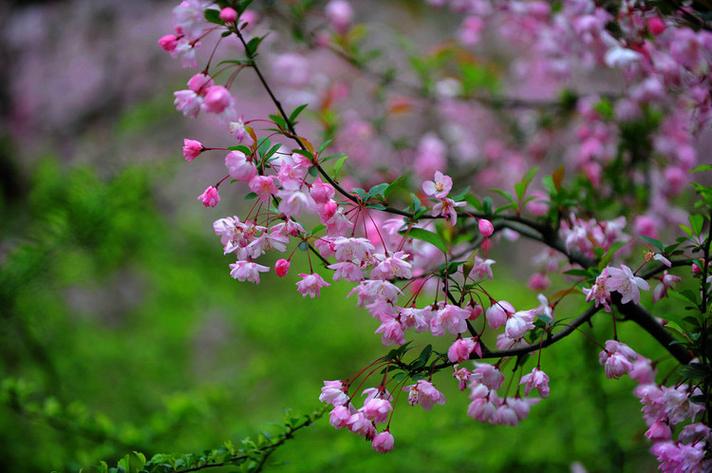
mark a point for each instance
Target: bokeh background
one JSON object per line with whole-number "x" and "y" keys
{"x": 120, "y": 328}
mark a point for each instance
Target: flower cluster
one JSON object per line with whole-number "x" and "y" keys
{"x": 423, "y": 268}
{"x": 664, "y": 408}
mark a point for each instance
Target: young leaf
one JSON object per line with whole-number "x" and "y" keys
{"x": 429, "y": 237}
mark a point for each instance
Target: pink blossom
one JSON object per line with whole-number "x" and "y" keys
{"x": 486, "y": 228}
{"x": 339, "y": 416}
{"x": 321, "y": 192}
{"x": 599, "y": 291}
{"x": 666, "y": 283}
{"x": 488, "y": 375}
{"x": 498, "y": 313}
{"x": 461, "y": 349}
{"x": 295, "y": 203}
{"x": 446, "y": 208}
{"x": 625, "y": 283}
{"x": 482, "y": 409}
{"x": 372, "y": 290}
{"x": 264, "y": 186}
{"x": 659, "y": 430}
{"x": 617, "y": 359}
{"x": 482, "y": 269}
{"x": 210, "y": 197}
{"x": 217, "y": 99}
{"x": 642, "y": 371}
{"x": 239, "y": 166}
{"x": 519, "y": 324}
{"x": 383, "y": 442}
{"x": 425, "y": 394}
{"x": 188, "y": 102}
{"x": 440, "y": 187}
{"x": 377, "y": 409}
{"x": 311, "y": 285}
{"x": 450, "y": 318}
{"x": 538, "y": 380}
{"x": 327, "y": 210}
{"x": 359, "y": 424}
{"x": 334, "y": 393}
{"x": 200, "y": 82}
{"x": 247, "y": 271}
{"x": 505, "y": 415}
{"x": 192, "y": 149}
{"x": 238, "y": 130}
{"x": 391, "y": 332}
{"x": 462, "y": 375}
{"x": 394, "y": 266}
{"x": 228, "y": 15}
{"x": 418, "y": 319}
{"x": 347, "y": 271}
{"x": 355, "y": 250}
{"x": 281, "y": 267}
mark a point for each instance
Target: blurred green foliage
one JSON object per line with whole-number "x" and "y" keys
{"x": 126, "y": 333}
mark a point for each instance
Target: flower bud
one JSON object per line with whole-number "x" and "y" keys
{"x": 228, "y": 15}
{"x": 486, "y": 227}
{"x": 168, "y": 43}
{"x": 281, "y": 267}
{"x": 209, "y": 197}
{"x": 192, "y": 149}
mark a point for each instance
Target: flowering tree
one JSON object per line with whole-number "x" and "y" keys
{"x": 591, "y": 154}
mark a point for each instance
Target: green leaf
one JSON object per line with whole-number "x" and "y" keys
{"x": 521, "y": 187}
{"x": 399, "y": 183}
{"x": 252, "y": 46}
{"x": 702, "y": 168}
{"x": 429, "y": 237}
{"x": 319, "y": 228}
{"x": 324, "y": 145}
{"x": 696, "y": 223}
{"x": 213, "y": 16}
{"x": 378, "y": 190}
{"x": 295, "y": 113}
{"x": 610, "y": 253}
{"x": 339, "y": 165}
{"x": 656, "y": 243}
{"x": 242, "y": 148}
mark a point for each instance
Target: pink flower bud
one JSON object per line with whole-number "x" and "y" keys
{"x": 486, "y": 227}
{"x": 281, "y": 267}
{"x": 210, "y": 197}
{"x": 228, "y": 15}
{"x": 192, "y": 149}
{"x": 696, "y": 269}
{"x": 217, "y": 99}
{"x": 656, "y": 25}
{"x": 168, "y": 42}
{"x": 383, "y": 442}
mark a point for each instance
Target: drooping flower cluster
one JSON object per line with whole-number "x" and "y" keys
{"x": 664, "y": 408}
